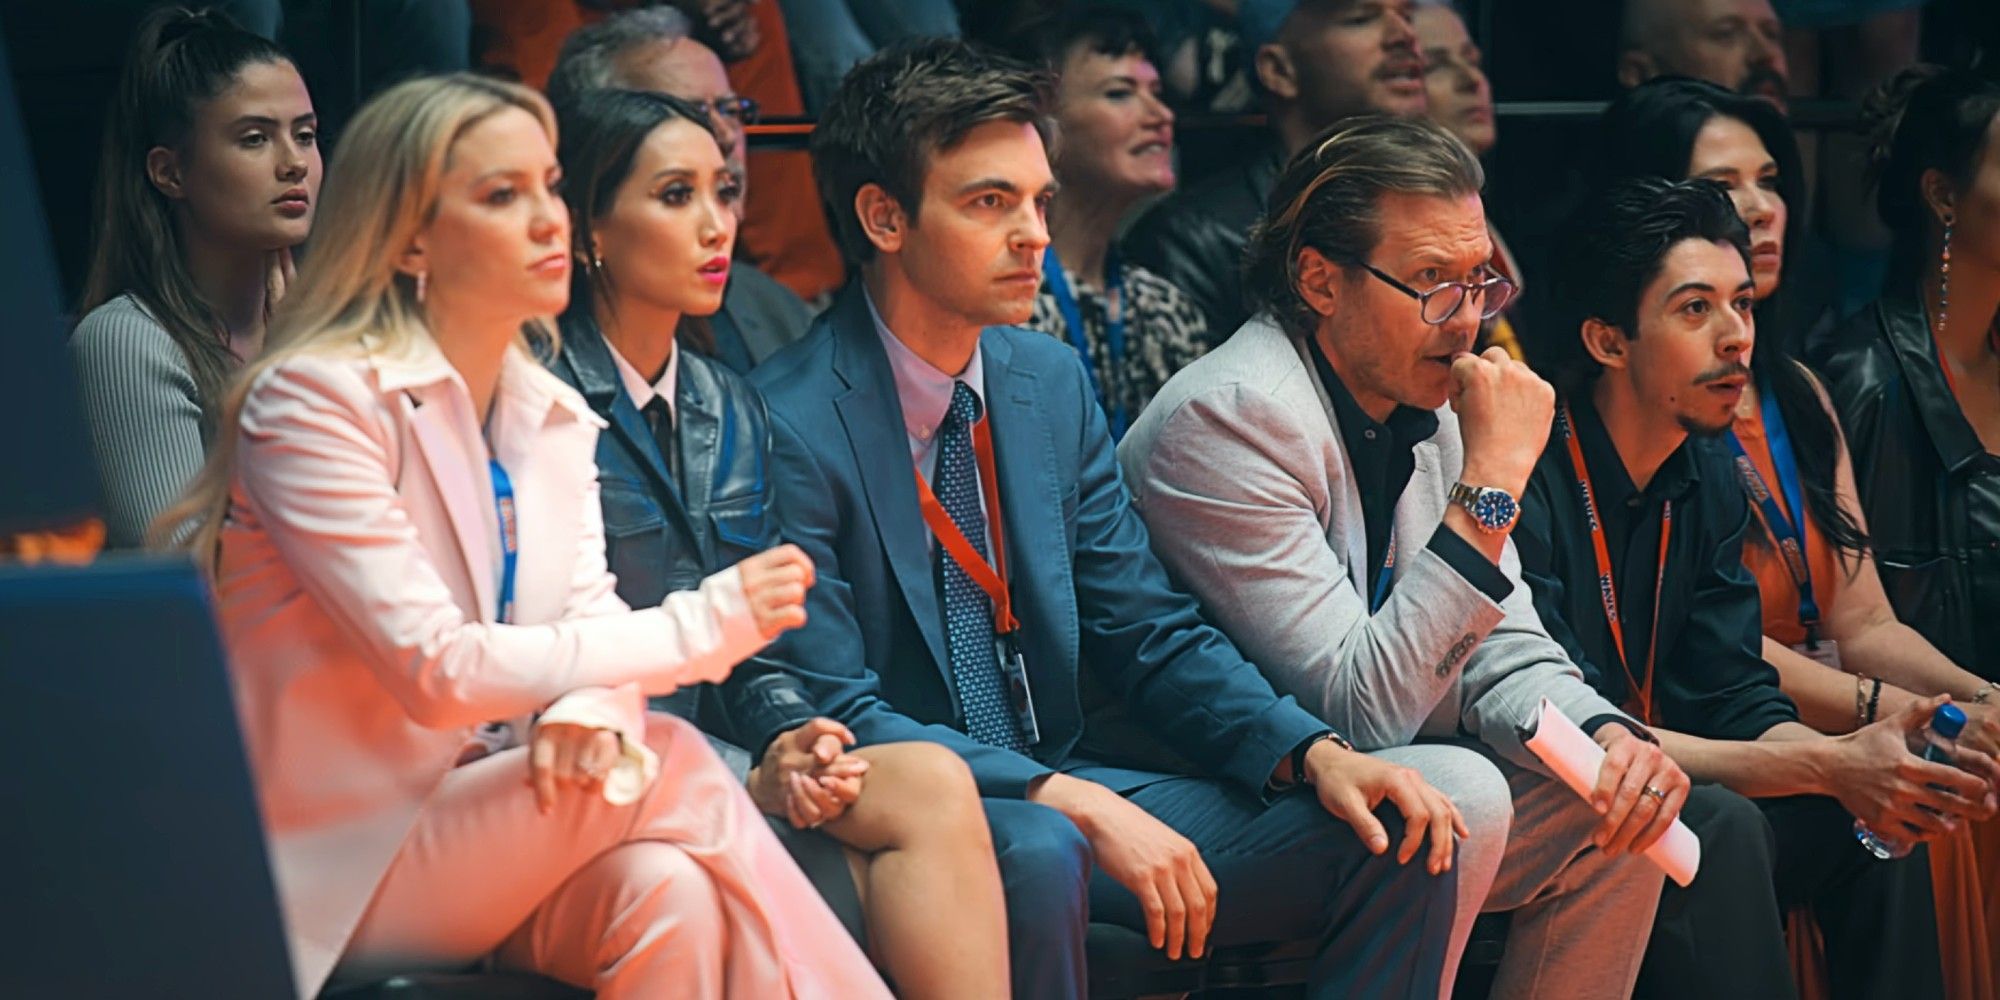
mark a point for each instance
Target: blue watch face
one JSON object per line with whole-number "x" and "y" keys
{"x": 1494, "y": 508}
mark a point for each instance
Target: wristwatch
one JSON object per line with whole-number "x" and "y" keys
{"x": 1493, "y": 510}
{"x": 1299, "y": 752}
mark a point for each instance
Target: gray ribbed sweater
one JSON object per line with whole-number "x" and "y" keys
{"x": 144, "y": 414}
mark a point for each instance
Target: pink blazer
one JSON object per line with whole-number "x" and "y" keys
{"x": 358, "y": 586}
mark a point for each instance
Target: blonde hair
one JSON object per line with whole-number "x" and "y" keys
{"x": 349, "y": 298}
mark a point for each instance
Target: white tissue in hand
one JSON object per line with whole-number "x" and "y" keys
{"x": 637, "y": 766}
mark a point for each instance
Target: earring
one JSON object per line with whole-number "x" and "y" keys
{"x": 1944, "y": 278}
{"x": 422, "y": 276}
{"x": 596, "y": 261}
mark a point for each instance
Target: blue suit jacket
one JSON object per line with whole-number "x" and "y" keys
{"x": 1128, "y": 682}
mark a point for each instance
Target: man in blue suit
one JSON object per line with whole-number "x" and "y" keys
{"x": 984, "y": 583}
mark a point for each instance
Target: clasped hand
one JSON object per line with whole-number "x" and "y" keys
{"x": 807, "y": 776}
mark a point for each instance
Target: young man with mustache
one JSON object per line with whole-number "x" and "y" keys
{"x": 1631, "y": 537}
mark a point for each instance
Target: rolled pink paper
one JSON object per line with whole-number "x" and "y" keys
{"x": 1576, "y": 759}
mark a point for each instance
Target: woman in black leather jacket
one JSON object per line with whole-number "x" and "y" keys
{"x": 1916, "y": 376}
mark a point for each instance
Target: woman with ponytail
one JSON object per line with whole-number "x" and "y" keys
{"x": 443, "y": 698}
{"x": 209, "y": 176}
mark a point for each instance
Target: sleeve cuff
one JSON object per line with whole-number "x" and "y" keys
{"x": 1471, "y": 564}
{"x": 637, "y": 766}
{"x": 1594, "y": 723}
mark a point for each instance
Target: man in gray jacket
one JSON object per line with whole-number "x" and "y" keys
{"x": 1349, "y": 532}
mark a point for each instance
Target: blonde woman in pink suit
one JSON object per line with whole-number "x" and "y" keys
{"x": 443, "y": 698}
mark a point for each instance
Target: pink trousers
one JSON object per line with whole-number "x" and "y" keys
{"x": 683, "y": 893}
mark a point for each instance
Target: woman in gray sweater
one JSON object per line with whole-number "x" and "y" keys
{"x": 209, "y": 173}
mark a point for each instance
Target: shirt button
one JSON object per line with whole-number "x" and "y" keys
{"x": 1369, "y": 434}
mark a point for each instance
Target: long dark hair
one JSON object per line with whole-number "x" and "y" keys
{"x": 600, "y": 133}
{"x": 1650, "y": 132}
{"x": 180, "y": 59}
{"x": 1926, "y": 118}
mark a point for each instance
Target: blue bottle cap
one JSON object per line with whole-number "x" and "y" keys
{"x": 1948, "y": 721}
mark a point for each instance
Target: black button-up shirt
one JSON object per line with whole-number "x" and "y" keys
{"x": 1382, "y": 457}
{"x": 1712, "y": 679}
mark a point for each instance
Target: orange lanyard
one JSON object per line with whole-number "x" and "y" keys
{"x": 1607, "y": 587}
{"x": 991, "y": 577}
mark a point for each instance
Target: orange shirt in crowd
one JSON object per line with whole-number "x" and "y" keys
{"x": 1760, "y": 554}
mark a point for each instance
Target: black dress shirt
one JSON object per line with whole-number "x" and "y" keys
{"x": 1712, "y": 679}
{"x": 1382, "y": 456}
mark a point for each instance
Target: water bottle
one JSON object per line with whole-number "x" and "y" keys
{"x": 1940, "y": 738}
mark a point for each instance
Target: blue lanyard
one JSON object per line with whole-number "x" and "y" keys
{"x": 510, "y": 539}
{"x": 1114, "y": 331}
{"x": 1784, "y": 526}
{"x": 1383, "y": 576}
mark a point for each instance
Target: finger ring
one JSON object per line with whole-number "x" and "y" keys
{"x": 1656, "y": 793}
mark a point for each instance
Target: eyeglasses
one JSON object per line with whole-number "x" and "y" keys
{"x": 1441, "y": 303}
{"x": 741, "y": 110}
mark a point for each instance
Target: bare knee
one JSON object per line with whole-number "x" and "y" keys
{"x": 919, "y": 791}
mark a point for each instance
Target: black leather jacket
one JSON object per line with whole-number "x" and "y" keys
{"x": 660, "y": 538}
{"x": 1930, "y": 490}
{"x": 1195, "y": 237}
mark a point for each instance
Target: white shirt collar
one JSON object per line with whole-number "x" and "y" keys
{"x": 635, "y": 383}
{"x": 925, "y": 391}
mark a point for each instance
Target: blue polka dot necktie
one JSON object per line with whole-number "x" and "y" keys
{"x": 968, "y": 612}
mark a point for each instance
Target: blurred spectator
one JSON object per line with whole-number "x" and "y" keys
{"x": 727, "y": 26}
{"x": 1738, "y": 44}
{"x": 652, "y": 49}
{"x": 1316, "y": 63}
{"x": 832, "y": 35}
{"x": 1195, "y": 45}
{"x": 1842, "y": 50}
{"x": 784, "y": 227}
{"x": 1460, "y": 99}
{"x": 784, "y": 231}
{"x": 1133, "y": 329}
{"x": 520, "y": 40}
{"x": 209, "y": 177}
